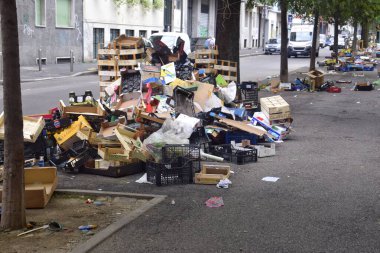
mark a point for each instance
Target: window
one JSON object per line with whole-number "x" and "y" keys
{"x": 245, "y": 43}
{"x": 153, "y": 32}
{"x": 98, "y": 39}
{"x": 64, "y": 13}
{"x": 142, "y": 33}
{"x": 204, "y": 8}
{"x": 40, "y": 12}
{"x": 114, "y": 34}
{"x": 246, "y": 18}
{"x": 130, "y": 33}
{"x": 178, "y": 4}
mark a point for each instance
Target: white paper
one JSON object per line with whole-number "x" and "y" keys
{"x": 270, "y": 179}
{"x": 143, "y": 180}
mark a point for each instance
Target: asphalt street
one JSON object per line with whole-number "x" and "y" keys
{"x": 326, "y": 200}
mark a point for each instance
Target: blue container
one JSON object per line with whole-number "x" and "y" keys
{"x": 238, "y": 136}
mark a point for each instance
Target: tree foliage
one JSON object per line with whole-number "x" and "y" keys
{"x": 156, "y": 4}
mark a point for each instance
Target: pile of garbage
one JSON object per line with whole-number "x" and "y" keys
{"x": 162, "y": 118}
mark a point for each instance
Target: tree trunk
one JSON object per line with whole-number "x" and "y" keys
{"x": 354, "y": 42}
{"x": 228, "y": 31}
{"x": 336, "y": 31}
{"x": 315, "y": 43}
{"x": 365, "y": 26}
{"x": 13, "y": 204}
{"x": 284, "y": 42}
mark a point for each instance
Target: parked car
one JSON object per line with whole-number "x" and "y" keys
{"x": 273, "y": 46}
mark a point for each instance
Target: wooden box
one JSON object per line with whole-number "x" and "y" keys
{"x": 32, "y": 127}
{"x": 68, "y": 136}
{"x": 317, "y": 77}
{"x": 275, "y": 108}
{"x": 82, "y": 110}
{"x": 212, "y": 174}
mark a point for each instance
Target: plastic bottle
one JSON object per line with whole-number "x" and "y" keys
{"x": 41, "y": 162}
{"x": 88, "y": 96}
{"x": 72, "y": 97}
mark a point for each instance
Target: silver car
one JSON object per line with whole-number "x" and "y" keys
{"x": 273, "y": 46}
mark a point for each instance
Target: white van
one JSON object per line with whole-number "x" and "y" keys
{"x": 300, "y": 41}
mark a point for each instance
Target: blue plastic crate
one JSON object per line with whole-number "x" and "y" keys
{"x": 238, "y": 136}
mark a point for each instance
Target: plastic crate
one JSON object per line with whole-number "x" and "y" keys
{"x": 171, "y": 152}
{"x": 199, "y": 136}
{"x": 179, "y": 171}
{"x": 76, "y": 163}
{"x": 250, "y": 94}
{"x": 233, "y": 155}
{"x": 238, "y": 136}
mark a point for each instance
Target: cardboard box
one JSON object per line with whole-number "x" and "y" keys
{"x": 275, "y": 108}
{"x": 266, "y": 150}
{"x": 317, "y": 77}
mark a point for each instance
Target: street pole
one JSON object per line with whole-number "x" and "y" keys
{"x": 71, "y": 60}
{"x": 39, "y": 59}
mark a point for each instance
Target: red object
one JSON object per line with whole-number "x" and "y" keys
{"x": 334, "y": 89}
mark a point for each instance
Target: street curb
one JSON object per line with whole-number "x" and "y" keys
{"x": 117, "y": 225}
{"x": 248, "y": 55}
{"x": 83, "y": 73}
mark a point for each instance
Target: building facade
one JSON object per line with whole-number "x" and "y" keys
{"x": 258, "y": 25}
{"x": 55, "y": 27}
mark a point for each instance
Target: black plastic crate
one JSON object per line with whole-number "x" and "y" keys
{"x": 116, "y": 171}
{"x": 170, "y": 153}
{"x": 179, "y": 171}
{"x": 80, "y": 146}
{"x": 233, "y": 155}
{"x": 250, "y": 94}
{"x": 74, "y": 164}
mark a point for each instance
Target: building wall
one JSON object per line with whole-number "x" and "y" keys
{"x": 249, "y": 27}
{"x": 200, "y": 27}
{"x": 106, "y": 15}
{"x": 53, "y": 41}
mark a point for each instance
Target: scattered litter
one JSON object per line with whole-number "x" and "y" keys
{"x": 358, "y": 102}
{"x": 173, "y": 202}
{"x": 100, "y": 189}
{"x": 89, "y": 201}
{"x": 270, "y": 179}
{"x": 143, "y": 180}
{"x": 232, "y": 172}
{"x": 98, "y": 203}
{"x": 86, "y": 228}
{"x": 214, "y": 202}
{"x": 295, "y": 96}
{"x": 311, "y": 103}
{"x": 118, "y": 213}
{"x": 224, "y": 183}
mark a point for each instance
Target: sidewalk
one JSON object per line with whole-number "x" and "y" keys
{"x": 54, "y": 71}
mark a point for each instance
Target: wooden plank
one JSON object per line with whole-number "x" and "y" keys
{"x": 207, "y": 51}
{"x": 129, "y": 62}
{"x": 225, "y": 68}
{"x": 105, "y": 84}
{"x": 108, "y": 51}
{"x": 107, "y": 62}
{"x": 107, "y": 73}
{"x": 277, "y": 116}
{"x": 131, "y": 51}
{"x": 205, "y": 61}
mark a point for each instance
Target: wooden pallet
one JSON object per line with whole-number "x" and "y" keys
{"x": 228, "y": 69}
{"x": 206, "y": 59}
{"x": 107, "y": 66}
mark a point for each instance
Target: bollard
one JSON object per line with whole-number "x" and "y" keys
{"x": 39, "y": 59}
{"x": 71, "y": 60}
